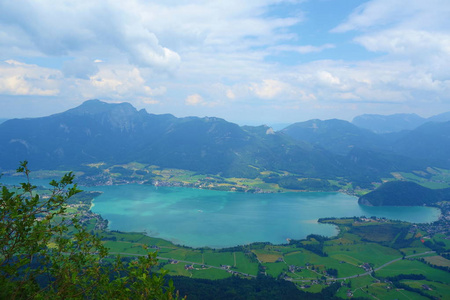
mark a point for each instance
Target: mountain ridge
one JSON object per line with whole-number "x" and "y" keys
{"x": 118, "y": 133}
{"x": 396, "y": 122}
{"x": 97, "y": 131}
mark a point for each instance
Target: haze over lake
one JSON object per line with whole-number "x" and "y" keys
{"x": 218, "y": 219}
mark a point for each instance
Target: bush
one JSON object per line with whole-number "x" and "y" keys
{"x": 46, "y": 255}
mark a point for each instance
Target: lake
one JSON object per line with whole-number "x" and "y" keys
{"x": 217, "y": 219}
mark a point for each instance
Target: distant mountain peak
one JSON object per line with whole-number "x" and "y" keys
{"x": 96, "y": 106}
{"x": 388, "y": 123}
{"x": 334, "y": 135}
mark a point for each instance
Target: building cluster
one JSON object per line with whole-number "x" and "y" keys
{"x": 441, "y": 226}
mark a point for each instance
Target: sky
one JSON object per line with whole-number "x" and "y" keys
{"x": 249, "y": 62}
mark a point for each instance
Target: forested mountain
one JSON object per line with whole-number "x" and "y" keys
{"x": 118, "y": 133}
{"x": 403, "y": 193}
{"x": 431, "y": 141}
{"x": 428, "y": 144}
{"x": 334, "y": 135}
{"x": 92, "y": 132}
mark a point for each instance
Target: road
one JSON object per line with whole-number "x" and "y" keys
{"x": 184, "y": 261}
{"x": 299, "y": 280}
{"x": 369, "y": 272}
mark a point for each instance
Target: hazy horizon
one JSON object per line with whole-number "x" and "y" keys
{"x": 274, "y": 125}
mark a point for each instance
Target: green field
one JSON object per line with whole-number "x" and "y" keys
{"x": 275, "y": 269}
{"x": 245, "y": 264}
{"x": 433, "y": 178}
{"x": 415, "y": 267}
{"x": 346, "y": 253}
{"x": 364, "y": 253}
{"x": 437, "y": 289}
{"x": 219, "y": 258}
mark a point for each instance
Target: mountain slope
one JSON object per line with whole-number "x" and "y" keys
{"x": 334, "y": 135}
{"x": 390, "y": 123}
{"x": 444, "y": 117}
{"x": 396, "y": 122}
{"x": 92, "y": 132}
{"x": 430, "y": 141}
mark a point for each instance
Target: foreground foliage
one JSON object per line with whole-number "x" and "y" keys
{"x": 44, "y": 254}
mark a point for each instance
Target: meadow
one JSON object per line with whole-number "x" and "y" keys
{"x": 353, "y": 253}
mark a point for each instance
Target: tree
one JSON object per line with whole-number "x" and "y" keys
{"x": 46, "y": 254}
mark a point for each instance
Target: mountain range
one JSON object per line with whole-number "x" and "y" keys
{"x": 118, "y": 133}
{"x": 396, "y": 122}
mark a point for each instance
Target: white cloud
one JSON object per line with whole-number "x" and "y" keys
{"x": 327, "y": 78}
{"x": 228, "y": 53}
{"x": 194, "y": 100}
{"x": 18, "y": 78}
{"x": 230, "y": 94}
{"x": 119, "y": 82}
{"x": 413, "y": 43}
{"x": 413, "y": 14}
{"x": 269, "y": 88}
{"x": 413, "y": 38}
{"x": 148, "y": 33}
{"x": 302, "y": 49}
{"x": 331, "y": 81}
{"x": 415, "y": 30}
{"x": 107, "y": 28}
{"x": 282, "y": 92}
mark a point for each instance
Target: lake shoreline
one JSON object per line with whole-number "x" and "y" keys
{"x": 179, "y": 209}
{"x": 293, "y": 194}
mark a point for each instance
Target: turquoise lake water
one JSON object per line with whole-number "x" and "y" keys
{"x": 218, "y": 219}
{"x": 198, "y": 218}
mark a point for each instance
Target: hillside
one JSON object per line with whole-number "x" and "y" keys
{"x": 403, "y": 193}
{"x": 426, "y": 145}
{"x": 334, "y": 135}
{"x": 396, "y": 122}
{"x": 430, "y": 141}
{"x": 389, "y": 123}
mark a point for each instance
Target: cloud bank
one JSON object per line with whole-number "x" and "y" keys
{"x": 237, "y": 60}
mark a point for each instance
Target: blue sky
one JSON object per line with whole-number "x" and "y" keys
{"x": 250, "y": 62}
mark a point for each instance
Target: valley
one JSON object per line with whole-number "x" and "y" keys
{"x": 362, "y": 258}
